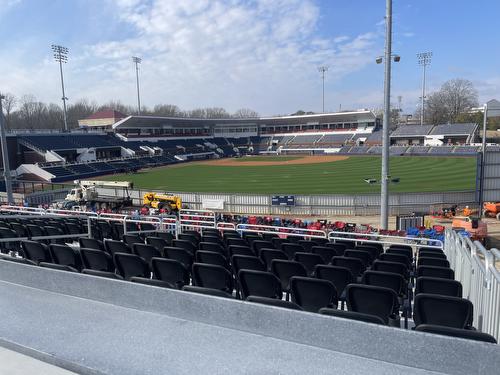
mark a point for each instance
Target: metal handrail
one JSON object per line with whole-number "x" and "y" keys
{"x": 288, "y": 231}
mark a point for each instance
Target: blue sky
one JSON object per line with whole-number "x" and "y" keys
{"x": 259, "y": 54}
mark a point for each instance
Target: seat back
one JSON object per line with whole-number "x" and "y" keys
{"x": 435, "y": 285}
{"x": 313, "y": 294}
{"x": 291, "y": 248}
{"x": 338, "y": 276}
{"x": 146, "y": 252}
{"x": 340, "y": 248}
{"x": 113, "y": 246}
{"x": 260, "y": 244}
{"x": 36, "y": 252}
{"x": 373, "y": 300}
{"x": 240, "y": 250}
{"x": 185, "y": 244}
{"x": 362, "y": 255}
{"x": 285, "y": 269}
{"x": 131, "y": 239}
{"x": 157, "y": 242}
{"x": 442, "y": 310}
{"x": 259, "y": 283}
{"x": 389, "y": 280}
{"x": 206, "y": 291}
{"x": 393, "y": 267}
{"x": 65, "y": 255}
{"x": 171, "y": 271}
{"x": 393, "y": 257}
{"x": 268, "y": 255}
{"x": 309, "y": 261}
{"x": 91, "y": 243}
{"x": 431, "y": 271}
{"x": 167, "y": 236}
{"x": 245, "y": 262}
{"x": 211, "y": 257}
{"x": 212, "y": 246}
{"x": 97, "y": 260}
{"x": 307, "y": 245}
{"x": 190, "y": 238}
{"x": 129, "y": 265}
{"x": 431, "y": 254}
{"x": 179, "y": 254}
{"x": 435, "y": 262}
{"x": 355, "y": 265}
{"x": 212, "y": 276}
{"x": 325, "y": 252}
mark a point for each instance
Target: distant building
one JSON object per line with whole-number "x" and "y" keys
{"x": 102, "y": 119}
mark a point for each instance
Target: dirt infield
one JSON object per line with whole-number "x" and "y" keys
{"x": 301, "y": 160}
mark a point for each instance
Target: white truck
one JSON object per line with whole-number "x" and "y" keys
{"x": 84, "y": 195}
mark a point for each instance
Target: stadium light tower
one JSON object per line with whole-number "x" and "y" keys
{"x": 137, "y": 61}
{"x": 5, "y": 156}
{"x": 61, "y": 56}
{"x": 424, "y": 59}
{"x": 384, "y": 188}
{"x": 323, "y": 69}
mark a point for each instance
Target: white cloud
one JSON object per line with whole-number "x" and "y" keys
{"x": 261, "y": 54}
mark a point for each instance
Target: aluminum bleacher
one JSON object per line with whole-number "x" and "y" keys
{"x": 441, "y": 150}
{"x": 418, "y": 150}
{"x": 334, "y": 139}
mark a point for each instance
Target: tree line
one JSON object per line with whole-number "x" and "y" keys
{"x": 26, "y": 112}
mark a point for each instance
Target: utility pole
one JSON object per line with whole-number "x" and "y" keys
{"x": 5, "y": 156}
{"x": 424, "y": 59}
{"x": 323, "y": 69}
{"x": 384, "y": 189}
{"x": 137, "y": 61}
{"x": 61, "y": 56}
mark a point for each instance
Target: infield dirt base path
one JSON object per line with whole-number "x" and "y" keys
{"x": 300, "y": 160}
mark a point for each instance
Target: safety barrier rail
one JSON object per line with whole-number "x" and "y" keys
{"x": 281, "y": 231}
{"x": 414, "y": 242}
{"x": 197, "y": 219}
{"x": 475, "y": 269}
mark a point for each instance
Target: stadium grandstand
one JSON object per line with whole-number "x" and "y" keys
{"x": 135, "y": 142}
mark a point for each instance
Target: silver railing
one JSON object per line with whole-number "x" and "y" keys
{"x": 475, "y": 269}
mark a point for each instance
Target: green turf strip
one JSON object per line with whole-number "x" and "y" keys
{"x": 417, "y": 174}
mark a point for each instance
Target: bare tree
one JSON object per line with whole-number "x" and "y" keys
{"x": 80, "y": 110}
{"x": 217, "y": 112}
{"x": 454, "y": 98}
{"x": 8, "y": 105}
{"x": 168, "y": 110}
{"x": 245, "y": 113}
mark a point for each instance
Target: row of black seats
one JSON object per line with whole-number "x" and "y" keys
{"x": 212, "y": 273}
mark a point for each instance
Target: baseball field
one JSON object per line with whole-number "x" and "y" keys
{"x": 308, "y": 175}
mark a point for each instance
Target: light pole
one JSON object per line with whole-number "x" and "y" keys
{"x": 384, "y": 188}
{"x": 5, "y": 156}
{"x": 424, "y": 59}
{"x": 61, "y": 56}
{"x": 323, "y": 69}
{"x": 137, "y": 61}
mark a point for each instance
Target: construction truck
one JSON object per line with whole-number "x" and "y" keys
{"x": 84, "y": 196}
{"x": 168, "y": 203}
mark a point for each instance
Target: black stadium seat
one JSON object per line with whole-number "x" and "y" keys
{"x": 353, "y": 315}
{"x": 212, "y": 276}
{"x": 129, "y": 265}
{"x": 97, "y": 260}
{"x": 171, "y": 271}
{"x": 36, "y": 252}
{"x": 442, "y": 310}
{"x": 313, "y": 294}
{"x": 373, "y": 300}
{"x": 435, "y": 285}
{"x": 259, "y": 283}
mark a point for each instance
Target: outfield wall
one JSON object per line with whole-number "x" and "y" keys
{"x": 315, "y": 205}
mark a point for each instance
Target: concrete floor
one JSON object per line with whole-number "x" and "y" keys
{"x": 14, "y": 363}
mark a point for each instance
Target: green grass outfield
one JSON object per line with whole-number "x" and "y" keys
{"x": 417, "y": 174}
